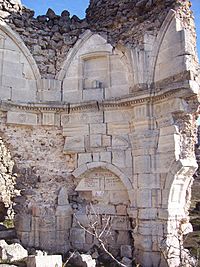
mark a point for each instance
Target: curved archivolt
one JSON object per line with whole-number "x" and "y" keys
{"x": 18, "y": 70}
{"x": 94, "y": 70}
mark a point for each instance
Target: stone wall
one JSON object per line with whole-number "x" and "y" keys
{"x": 101, "y": 113}
{"x": 49, "y": 37}
{"x": 7, "y": 183}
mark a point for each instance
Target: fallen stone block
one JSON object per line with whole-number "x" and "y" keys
{"x": 44, "y": 261}
{"x": 81, "y": 260}
{"x": 12, "y": 253}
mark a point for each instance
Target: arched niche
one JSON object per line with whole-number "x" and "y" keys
{"x": 178, "y": 185}
{"x": 18, "y": 72}
{"x": 170, "y": 54}
{"x": 109, "y": 167}
{"x": 94, "y": 70}
{"x": 175, "y": 205}
{"x": 102, "y": 197}
{"x": 103, "y": 186}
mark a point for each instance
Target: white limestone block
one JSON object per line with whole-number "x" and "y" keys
{"x": 95, "y": 140}
{"x": 81, "y": 118}
{"x": 12, "y": 69}
{"x": 48, "y": 95}
{"x": 5, "y": 92}
{"x": 118, "y": 158}
{"x": 14, "y": 82}
{"x": 144, "y": 198}
{"x": 147, "y": 180}
{"x": 70, "y": 84}
{"x": 105, "y": 156}
{"x": 116, "y": 91}
{"x": 142, "y": 164}
{"x": 120, "y": 142}
{"x": 118, "y": 116}
{"x": 75, "y": 129}
{"x": 23, "y": 118}
{"x": 84, "y": 158}
{"x": 103, "y": 209}
{"x": 148, "y": 214}
{"x": 23, "y": 95}
{"x": 121, "y": 128}
{"x": 97, "y": 128}
{"x": 72, "y": 96}
{"x": 48, "y": 118}
{"x": 74, "y": 144}
{"x": 12, "y": 56}
{"x": 119, "y": 197}
{"x": 44, "y": 261}
{"x": 93, "y": 94}
{"x": 106, "y": 140}
{"x": 80, "y": 170}
{"x": 96, "y": 156}
{"x": 163, "y": 162}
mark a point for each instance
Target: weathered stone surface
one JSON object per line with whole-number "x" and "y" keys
{"x": 44, "y": 261}
{"x": 127, "y": 262}
{"x": 82, "y": 260}
{"x": 100, "y": 124}
{"x": 12, "y": 253}
{"x": 126, "y": 251}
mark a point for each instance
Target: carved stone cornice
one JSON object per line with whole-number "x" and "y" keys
{"x": 123, "y": 102}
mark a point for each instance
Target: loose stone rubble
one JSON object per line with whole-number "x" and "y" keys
{"x": 82, "y": 260}
{"x": 98, "y": 125}
{"x": 12, "y": 253}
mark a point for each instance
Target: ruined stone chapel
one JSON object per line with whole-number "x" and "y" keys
{"x": 99, "y": 111}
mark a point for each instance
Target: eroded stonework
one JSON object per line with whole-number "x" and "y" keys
{"x": 99, "y": 116}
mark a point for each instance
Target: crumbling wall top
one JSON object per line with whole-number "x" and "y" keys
{"x": 49, "y": 37}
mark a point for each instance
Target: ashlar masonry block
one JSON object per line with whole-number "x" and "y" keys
{"x": 105, "y": 156}
{"x": 74, "y": 144}
{"x": 147, "y": 180}
{"x": 142, "y": 164}
{"x": 97, "y": 128}
{"x": 95, "y": 140}
{"x": 144, "y": 198}
{"x": 44, "y": 261}
{"x": 21, "y": 118}
{"x": 84, "y": 158}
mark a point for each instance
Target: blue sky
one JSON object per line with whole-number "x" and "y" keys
{"x": 196, "y": 10}
{"x": 77, "y": 7}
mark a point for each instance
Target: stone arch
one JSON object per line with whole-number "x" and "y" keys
{"x": 158, "y": 43}
{"x": 20, "y": 73}
{"x": 106, "y": 69}
{"x": 18, "y": 41}
{"x": 104, "y": 192}
{"x": 61, "y": 74}
{"x": 108, "y": 166}
{"x": 168, "y": 60}
{"x": 178, "y": 182}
